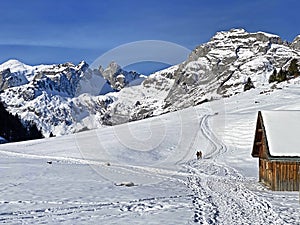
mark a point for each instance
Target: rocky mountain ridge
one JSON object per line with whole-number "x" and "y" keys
{"x": 67, "y": 98}
{"x": 62, "y": 98}
{"x": 216, "y": 69}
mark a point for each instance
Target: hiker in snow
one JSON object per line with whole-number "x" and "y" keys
{"x": 199, "y": 155}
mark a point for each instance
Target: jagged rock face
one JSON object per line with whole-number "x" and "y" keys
{"x": 9, "y": 79}
{"x": 47, "y": 94}
{"x": 142, "y": 101}
{"x": 221, "y": 66}
{"x": 59, "y": 79}
{"x": 117, "y": 77}
{"x": 56, "y": 114}
{"x": 216, "y": 69}
{"x": 61, "y": 98}
{"x": 296, "y": 43}
{"x": 139, "y": 102}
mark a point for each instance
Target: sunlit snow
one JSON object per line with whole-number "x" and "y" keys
{"x": 146, "y": 172}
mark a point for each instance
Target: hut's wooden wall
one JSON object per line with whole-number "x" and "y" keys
{"x": 279, "y": 175}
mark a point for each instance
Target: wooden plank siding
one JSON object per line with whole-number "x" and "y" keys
{"x": 279, "y": 175}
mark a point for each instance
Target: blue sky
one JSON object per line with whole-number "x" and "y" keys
{"x": 36, "y": 31}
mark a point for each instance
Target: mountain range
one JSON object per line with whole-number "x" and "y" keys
{"x": 67, "y": 98}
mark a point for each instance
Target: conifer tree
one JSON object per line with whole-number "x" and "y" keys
{"x": 249, "y": 85}
{"x": 293, "y": 68}
{"x": 272, "y": 78}
{"x": 281, "y": 76}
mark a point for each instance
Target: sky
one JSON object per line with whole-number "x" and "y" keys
{"x": 58, "y": 31}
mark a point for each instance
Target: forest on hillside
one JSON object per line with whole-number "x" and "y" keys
{"x": 13, "y": 129}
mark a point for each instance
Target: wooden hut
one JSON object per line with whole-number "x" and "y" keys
{"x": 277, "y": 145}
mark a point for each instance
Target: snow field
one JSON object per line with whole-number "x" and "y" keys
{"x": 158, "y": 156}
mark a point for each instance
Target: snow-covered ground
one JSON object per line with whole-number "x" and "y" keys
{"x": 87, "y": 178}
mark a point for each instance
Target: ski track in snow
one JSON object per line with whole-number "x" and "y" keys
{"x": 217, "y": 148}
{"x": 220, "y": 197}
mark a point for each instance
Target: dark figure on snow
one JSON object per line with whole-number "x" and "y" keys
{"x": 199, "y": 155}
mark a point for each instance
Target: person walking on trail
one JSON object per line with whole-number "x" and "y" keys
{"x": 199, "y": 155}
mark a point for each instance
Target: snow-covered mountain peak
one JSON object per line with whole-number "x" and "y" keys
{"x": 112, "y": 69}
{"x": 297, "y": 38}
{"x": 225, "y": 34}
{"x": 119, "y": 78}
{"x": 82, "y": 66}
{"x": 14, "y": 65}
{"x": 13, "y": 73}
{"x": 242, "y": 34}
{"x": 221, "y": 66}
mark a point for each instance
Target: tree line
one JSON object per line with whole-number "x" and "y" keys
{"x": 12, "y": 128}
{"x": 284, "y": 75}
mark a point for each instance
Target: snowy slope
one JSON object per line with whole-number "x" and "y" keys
{"x": 83, "y": 182}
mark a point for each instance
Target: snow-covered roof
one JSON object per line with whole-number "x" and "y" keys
{"x": 282, "y": 131}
